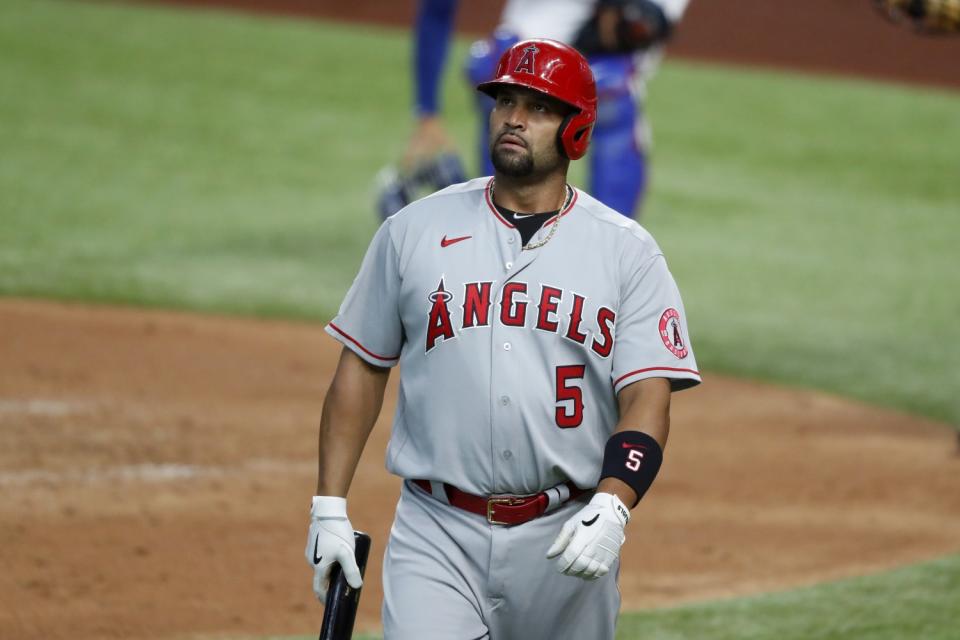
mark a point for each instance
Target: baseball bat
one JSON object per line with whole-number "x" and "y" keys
{"x": 340, "y": 610}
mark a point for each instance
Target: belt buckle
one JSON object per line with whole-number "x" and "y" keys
{"x": 510, "y": 501}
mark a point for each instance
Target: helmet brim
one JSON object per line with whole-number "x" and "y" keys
{"x": 491, "y": 87}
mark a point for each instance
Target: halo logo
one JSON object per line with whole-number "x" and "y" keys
{"x": 670, "y": 333}
{"x": 439, "y": 326}
{"x": 527, "y": 62}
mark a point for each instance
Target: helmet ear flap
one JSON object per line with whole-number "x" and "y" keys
{"x": 573, "y": 136}
{"x": 562, "y": 134}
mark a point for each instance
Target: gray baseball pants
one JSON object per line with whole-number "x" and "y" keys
{"x": 449, "y": 574}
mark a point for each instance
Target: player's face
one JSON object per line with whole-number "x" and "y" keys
{"x": 523, "y": 133}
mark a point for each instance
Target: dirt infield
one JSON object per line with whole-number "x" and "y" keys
{"x": 823, "y": 36}
{"x": 155, "y": 471}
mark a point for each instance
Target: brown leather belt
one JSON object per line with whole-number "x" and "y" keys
{"x": 501, "y": 509}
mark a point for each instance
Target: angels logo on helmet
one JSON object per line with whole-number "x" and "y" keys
{"x": 526, "y": 64}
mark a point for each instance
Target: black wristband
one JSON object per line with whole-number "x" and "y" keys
{"x": 635, "y": 458}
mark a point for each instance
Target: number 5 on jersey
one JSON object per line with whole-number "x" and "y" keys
{"x": 569, "y": 410}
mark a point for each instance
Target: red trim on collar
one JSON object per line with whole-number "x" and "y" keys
{"x": 493, "y": 207}
{"x": 573, "y": 201}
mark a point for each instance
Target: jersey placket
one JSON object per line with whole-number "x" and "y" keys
{"x": 507, "y": 352}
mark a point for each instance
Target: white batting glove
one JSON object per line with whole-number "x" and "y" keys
{"x": 589, "y": 542}
{"x": 330, "y": 540}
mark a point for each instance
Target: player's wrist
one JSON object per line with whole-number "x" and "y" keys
{"x": 634, "y": 458}
{"x": 612, "y": 503}
{"x": 328, "y": 507}
{"x": 620, "y": 489}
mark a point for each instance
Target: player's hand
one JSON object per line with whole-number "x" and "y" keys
{"x": 429, "y": 138}
{"x": 589, "y": 542}
{"x": 330, "y": 540}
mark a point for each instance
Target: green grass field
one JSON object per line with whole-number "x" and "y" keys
{"x": 219, "y": 162}
{"x": 915, "y": 603}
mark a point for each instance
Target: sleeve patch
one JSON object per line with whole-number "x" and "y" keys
{"x": 671, "y": 334}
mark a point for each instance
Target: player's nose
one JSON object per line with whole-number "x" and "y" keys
{"x": 517, "y": 117}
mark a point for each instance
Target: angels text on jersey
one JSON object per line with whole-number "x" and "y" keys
{"x": 518, "y": 304}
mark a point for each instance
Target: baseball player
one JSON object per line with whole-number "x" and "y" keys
{"x": 540, "y": 335}
{"x": 623, "y": 39}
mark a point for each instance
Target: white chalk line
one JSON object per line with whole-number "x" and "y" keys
{"x": 42, "y": 407}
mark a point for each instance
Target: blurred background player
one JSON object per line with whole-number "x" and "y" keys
{"x": 430, "y": 161}
{"x": 623, "y": 39}
{"x": 934, "y": 17}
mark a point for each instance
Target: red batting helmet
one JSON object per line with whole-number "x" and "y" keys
{"x": 559, "y": 71}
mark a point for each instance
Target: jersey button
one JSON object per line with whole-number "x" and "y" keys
{"x": 504, "y": 400}
{"x": 509, "y": 265}
{"x": 507, "y": 454}
{"x": 510, "y": 240}
{"x": 506, "y": 346}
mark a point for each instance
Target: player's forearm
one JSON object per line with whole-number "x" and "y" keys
{"x": 350, "y": 410}
{"x": 644, "y": 407}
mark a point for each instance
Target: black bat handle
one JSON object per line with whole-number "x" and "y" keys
{"x": 340, "y": 611}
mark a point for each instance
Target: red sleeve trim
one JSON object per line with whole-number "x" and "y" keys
{"x": 633, "y": 373}
{"x": 362, "y": 348}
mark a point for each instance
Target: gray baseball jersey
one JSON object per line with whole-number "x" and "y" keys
{"x": 511, "y": 358}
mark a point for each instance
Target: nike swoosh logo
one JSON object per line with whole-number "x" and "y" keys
{"x": 444, "y": 242}
{"x": 587, "y": 523}
{"x": 521, "y": 216}
{"x": 627, "y": 445}
{"x": 316, "y": 558}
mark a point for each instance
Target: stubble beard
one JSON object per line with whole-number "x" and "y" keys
{"x": 511, "y": 163}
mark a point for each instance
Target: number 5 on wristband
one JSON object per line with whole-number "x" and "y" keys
{"x": 633, "y": 457}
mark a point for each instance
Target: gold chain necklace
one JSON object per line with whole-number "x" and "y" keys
{"x": 556, "y": 223}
